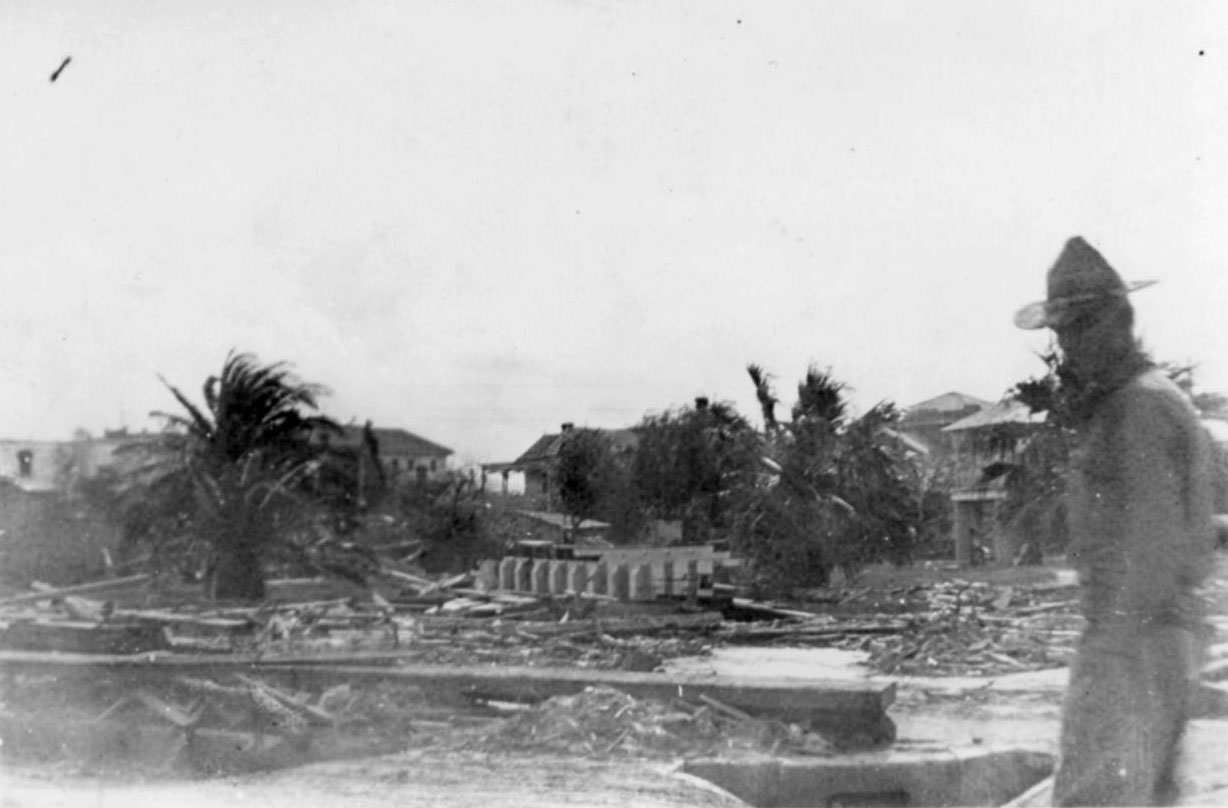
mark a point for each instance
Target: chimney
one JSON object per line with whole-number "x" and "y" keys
{"x": 568, "y": 426}
{"x": 701, "y": 402}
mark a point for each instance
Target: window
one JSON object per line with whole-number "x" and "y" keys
{"x": 25, "y": 463}
{"x": 433, "y": 462}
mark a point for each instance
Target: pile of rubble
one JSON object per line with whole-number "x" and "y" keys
{"x": 604, "y": 721}
{"x": 416, "y": 619}
{"x": 947, "y": 628}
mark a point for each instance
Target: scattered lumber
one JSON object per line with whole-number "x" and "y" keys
{"x": 77, "y": 636}
{"x": 81, "y": 608}
{"x": 768, "y": 611}
{"x": 52, "y": 593}
{"x": 859, "y": 703}
{"x": 180, "y": 717}
{"x": 314, "y": 714}
{"x": 645, "y": 624}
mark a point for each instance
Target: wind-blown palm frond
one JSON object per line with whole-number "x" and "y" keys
{"x": 247, "y": 458}
{"x": 819, "y": 395}
{"x": 763, "y": 392}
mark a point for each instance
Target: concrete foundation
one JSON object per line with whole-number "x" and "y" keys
{"x": 541, "y": 578}
{"x": 599, "y": 581}
{"x": 488, "y": 575}
{"x": 620, "y": 581}
{"x": 524, "y": 575}
{"x": 640, "y": 587}
{"x": 936, "y": 777}
{"x": 578, "y": 576}
{"x": 560, "y": 576}
{"x": 507, "y": 574}
{"x": 651, "y": 572}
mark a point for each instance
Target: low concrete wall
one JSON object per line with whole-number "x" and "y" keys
{"x": 627, "y": 573}
{"x": 937, "y": 777}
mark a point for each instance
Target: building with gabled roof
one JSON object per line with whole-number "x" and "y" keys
{"x": 926, "y": 420}
{"x": 404, "y": 457}
{"x": 539, "y": 463}
{"x": 993, "y": 437}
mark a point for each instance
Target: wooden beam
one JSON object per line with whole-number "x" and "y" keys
{"x": 58, "y": 592}
{"x": 868, "y": 700}
{"x": 513, "y": 683}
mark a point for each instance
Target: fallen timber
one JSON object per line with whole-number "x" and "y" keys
{"x": 53, "y": 593}
{"x": 854, "y": 713}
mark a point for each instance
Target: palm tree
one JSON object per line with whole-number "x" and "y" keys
{"x": 839, "y": 492}
{"x": 767, "y": 399}
{"x": 240, "y": 469}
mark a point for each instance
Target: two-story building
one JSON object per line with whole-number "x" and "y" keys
{"x": 996, "y": 434}
{"x": 926, "y": 421}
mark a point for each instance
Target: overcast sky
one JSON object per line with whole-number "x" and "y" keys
{"x": 476, "y": 220}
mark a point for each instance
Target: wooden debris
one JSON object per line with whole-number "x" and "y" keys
{"x": 320, "y": 716}
{"x": 81, "y": 608}
{"x": 721, "y": 707}
{"x": 602, "y": 721}
{"x": 180, "y": 717}
{"x": 83, "y": 637}
{"x": 77, "y": 589}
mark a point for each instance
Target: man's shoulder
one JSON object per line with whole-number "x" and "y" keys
{"x": 1152, "y": 394}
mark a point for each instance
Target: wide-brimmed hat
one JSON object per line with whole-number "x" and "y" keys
{"x": 1080, "y": 276}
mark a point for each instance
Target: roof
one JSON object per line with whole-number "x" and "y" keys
{"x": 1008, "y": 412}
{"x": 392, "y": 441}
{"x": 948, "y": 402}
{"x": 543, "y": 448}
{"x": 547, "y": 446}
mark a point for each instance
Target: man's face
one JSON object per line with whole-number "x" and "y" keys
{"x": 1071, "y": 339}
{"x": 1089, "y": 342}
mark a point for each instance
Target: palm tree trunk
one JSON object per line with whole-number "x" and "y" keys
{"x": 237, "y": 572}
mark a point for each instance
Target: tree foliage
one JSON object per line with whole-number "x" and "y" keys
{"x": 233, "y": 477}
{"x": 587, "y": 473}
{"x": 1034, "y": 509}
{"x": 688, "y": 463}
{"x": 835, "y": 490}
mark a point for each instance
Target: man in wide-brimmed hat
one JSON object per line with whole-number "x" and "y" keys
{"x": 1139, "y": 514}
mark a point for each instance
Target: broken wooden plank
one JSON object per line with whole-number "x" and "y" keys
{"x": 416, "y": 581}
{"x": 446, "y": 583}
{"x": 770, "y": 611}
{"x": 83, "y": 637}
{"x": 180, "y": 717}
{"x": 513, "y": 683}
{"x": 721, "y": 707}
{"x": 506, "y": 683}
{"x": 58, "y": 592}
{"x": 222, "y": 624}
{"x": 321, "y": 716}
{"x": 611, "y": 625}
{"x": 81, "y": 608}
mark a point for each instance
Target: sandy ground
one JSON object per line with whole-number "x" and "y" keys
{"x": 428, "y": 780}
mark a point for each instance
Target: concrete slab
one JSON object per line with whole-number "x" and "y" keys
{"x": 932, "y": 777}
{"x": 445, "y": 779}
